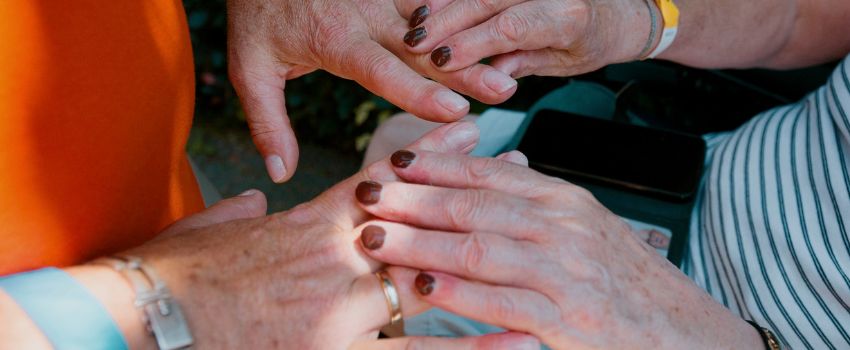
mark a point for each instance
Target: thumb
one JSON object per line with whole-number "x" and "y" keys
{"x": 261, "y": 91}
{"x": 249, "y": 204}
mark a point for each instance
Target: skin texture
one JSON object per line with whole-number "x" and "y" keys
{"x": 505, "y": 245}
{"x": 542, "y": 37}
{"x": 295, "y": 280}
{"x": 568, "y": 37}
{"x": 271, "y": 41}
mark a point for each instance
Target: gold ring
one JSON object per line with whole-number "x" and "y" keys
{"x": 391, "y": 294}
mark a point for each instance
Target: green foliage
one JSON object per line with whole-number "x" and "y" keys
{"x": 322, "y": 108}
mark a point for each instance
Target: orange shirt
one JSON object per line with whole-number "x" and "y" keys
{"x": 96, "y": 101}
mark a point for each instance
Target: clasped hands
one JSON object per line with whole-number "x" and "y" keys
{"x": 489, "y": 239}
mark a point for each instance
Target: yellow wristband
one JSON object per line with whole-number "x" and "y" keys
{"x": 670, "y": 17}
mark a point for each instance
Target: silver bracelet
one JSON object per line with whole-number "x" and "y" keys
{"x": 652, "y": 32}
{"x": 161, "y": 315}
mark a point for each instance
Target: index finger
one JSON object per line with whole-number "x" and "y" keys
{"x": 463, "y": 171}
{"x": 384, "y": 74}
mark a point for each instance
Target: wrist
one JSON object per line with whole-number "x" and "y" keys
{"x": 117, "y": 296}
{"x": 638, "y": 27}
{"x": 716, "y": 327}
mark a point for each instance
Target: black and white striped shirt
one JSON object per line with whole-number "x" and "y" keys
{"x": 770, "y": 233}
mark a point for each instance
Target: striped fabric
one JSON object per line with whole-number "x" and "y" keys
{"x": 770, "y": 234}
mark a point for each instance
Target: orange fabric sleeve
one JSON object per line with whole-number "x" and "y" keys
{"x": 96, "y": 102}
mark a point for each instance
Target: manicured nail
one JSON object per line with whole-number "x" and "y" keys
{"x": 372, "y": 237}
{"x": 441, "y": 56}
{"x": 248, "y": 193}
{"x": 402, "y": 159}
{"x": 498, "y": 81}
{"x": 451, "y": 101}
{"x": 415, "y": 36}
{"x": 419, "y": 15}
{"x": 424, "y": 283}
{"x": 368, "y": 192}
{"x": 276, "y": 168}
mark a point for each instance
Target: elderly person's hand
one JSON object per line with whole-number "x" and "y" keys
{"x": 525, "y": 37}
{"x": 270, "y": 41}
{"x": 503, "y": 244}
{"x": 297, "y": 279}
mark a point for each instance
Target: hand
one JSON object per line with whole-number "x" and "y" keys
{"x": 297, "y": 279}
{"x": 505, "y": 245}
{"x": 525, "y": 37}
{"x": 270, "y": 41}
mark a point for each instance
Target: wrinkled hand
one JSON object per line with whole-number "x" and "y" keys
{"x": 505, "y": 245}
{"x": 297, "y": 279}
{"x": 525, "y": 37}
{"x": 271, "y": 41}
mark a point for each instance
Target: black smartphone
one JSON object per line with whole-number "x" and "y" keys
{"x": 660, "y": 163}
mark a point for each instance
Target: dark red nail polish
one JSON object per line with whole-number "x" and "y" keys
{"x": 415, "y": 36}
{"x": 372, "y": 237}
{"x": 419, "y": 15}
{"x": 441, "y": 56}
{"x": 368, "y": 192}
{"x": 424, "y": 283}
{"x": 402, "y": 159}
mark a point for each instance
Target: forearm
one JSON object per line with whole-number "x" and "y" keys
{"x": 760, "y": 33}
{"x": 106, "y": 285}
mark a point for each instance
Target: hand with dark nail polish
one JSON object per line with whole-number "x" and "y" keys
{"x": 372, "y": 237}
{"x": 424, "y": 283}
{"x": 402, "y": 159}
{"x": 441, "y": 56}
{"x": 419, "y": 15}
{"x": 415, "y": 36}
{"x": 368, "y": 192}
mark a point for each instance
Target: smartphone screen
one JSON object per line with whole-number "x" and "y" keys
{"x": 657, "y": 162}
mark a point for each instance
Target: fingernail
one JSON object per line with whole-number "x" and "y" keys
{"x": 498, "y": 81}
{"x": 372, "y": 237}
{"x": 424, "y": 283}
{"x": 462, "y": 136}
{"x": 276, "y": 168}
{"x": 441, "y": 56}
{"x": 402, "y": 159}
{"x": 419, "y": 15}
{"x": 248, "y": 193}
{"x": 368, "y": 192}
{"x": 415, "y": 36}
{"x": 451, "y": 101}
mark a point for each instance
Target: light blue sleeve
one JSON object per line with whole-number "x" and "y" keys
{"x": 68, "y": 315}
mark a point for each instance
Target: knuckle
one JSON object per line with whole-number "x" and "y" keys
{"x": 488, "y": 6}
{"x": 473, "y": 253}
{"x": 329, "y": 40}
{"x": 504, "y": 307}
{"x": 580, "y": 193}
{"x": 512, "y": 27}
{"x": 480, "y": 170}
{"x": 465, "y": 208}
{"x": 261, "y": 127}
{"x": 376, "y": 65}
